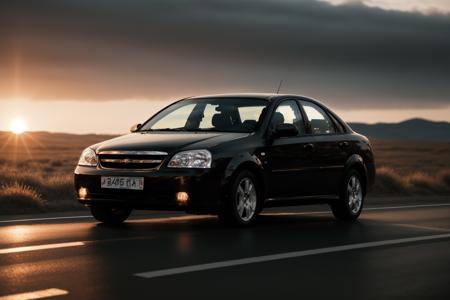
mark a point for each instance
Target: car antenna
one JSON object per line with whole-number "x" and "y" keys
{"x": 279, "y": 86}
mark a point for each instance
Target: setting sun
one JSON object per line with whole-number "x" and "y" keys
{"x": 18, "y": 126}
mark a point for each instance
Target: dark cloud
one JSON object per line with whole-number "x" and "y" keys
{"x": 163, "y": 49}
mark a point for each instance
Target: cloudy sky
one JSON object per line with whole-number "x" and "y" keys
{"x": 100, "y": 66}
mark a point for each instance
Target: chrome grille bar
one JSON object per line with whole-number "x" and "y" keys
{"x": 126, "y": 152}
{"x": 131, "y": 161}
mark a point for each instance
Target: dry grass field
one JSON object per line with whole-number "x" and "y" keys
{"x": 36, "y": 169}
{"x": 411, "y": 168}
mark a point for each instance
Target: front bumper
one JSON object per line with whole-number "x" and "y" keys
{"x": 203, "y": 186}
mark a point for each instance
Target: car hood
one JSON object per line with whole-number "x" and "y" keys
{"x": 167, "y": 141}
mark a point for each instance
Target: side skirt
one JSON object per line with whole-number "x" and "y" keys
{"x": 304, "y": 200}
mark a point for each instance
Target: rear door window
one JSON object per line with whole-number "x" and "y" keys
{"x": 288, "y": 112}
{"x": 318, "y": 119}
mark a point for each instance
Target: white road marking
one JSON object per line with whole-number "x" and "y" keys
{"x": 46, "y": 219}
{"x": 280, "y": 256}
{"x": 423, "y": 227}
{"x": 407, "y": 206}
{"x": 194, "y": 217}
{"x": 40, "y": 247}
{"x": 169, "y": 219}
{"x": 364, "y": 209}
{"x": 36, "y": 294}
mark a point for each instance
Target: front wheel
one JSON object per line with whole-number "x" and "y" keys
{"x": 110, "y": 215}
{"x": 351, "y": 201}
{"x": 243, "y": 204}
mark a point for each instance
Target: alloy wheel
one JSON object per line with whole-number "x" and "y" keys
{"x": 354, "y": 194}
{"x": 246, "y": 199}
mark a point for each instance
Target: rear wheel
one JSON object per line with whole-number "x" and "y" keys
{"x": 110, "y": 215}
{"x": 243, "y": 204}
{"x": 351, "y": 201}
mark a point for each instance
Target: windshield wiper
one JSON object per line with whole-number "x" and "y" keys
{"x": 187, "y": 130}
{"x": 209, "y": 130}
{"x": 163, "y": 129}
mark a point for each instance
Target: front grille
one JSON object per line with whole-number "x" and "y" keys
{"x": 131, "y": 159}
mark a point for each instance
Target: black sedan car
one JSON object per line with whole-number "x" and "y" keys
{"x": 229, "y": 155}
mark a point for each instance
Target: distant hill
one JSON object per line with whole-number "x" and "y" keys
{"x": 413, "y": 129}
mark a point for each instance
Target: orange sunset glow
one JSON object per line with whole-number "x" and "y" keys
{"x": 59, "y": 82}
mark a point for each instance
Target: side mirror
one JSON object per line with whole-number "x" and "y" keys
{"x": 285, "y": 130}
{"x": 135, "y": 127}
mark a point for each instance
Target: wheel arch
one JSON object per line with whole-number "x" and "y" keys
{"x": 250, "y": 163}
{"x": 356, "y": 162}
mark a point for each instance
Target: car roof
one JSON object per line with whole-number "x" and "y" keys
{"x": 266, "y": 96}
{"x": 271, "y": 97}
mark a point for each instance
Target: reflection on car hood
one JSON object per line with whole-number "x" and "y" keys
{"x": 167, "y": 141}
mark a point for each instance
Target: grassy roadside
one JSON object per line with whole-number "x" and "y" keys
{"x": 36, "y": 170}
{"x": 34, "y": 192}
{"x": 389, "y": 182}
{"x": 29, "y": 192}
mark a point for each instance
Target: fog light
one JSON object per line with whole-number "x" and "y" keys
{"x": 82, "y": 193}
{"x": 182, "y": 198}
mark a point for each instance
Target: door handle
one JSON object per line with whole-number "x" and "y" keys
{"x": 343, "y": 144}
{"x": 308, "y": 147}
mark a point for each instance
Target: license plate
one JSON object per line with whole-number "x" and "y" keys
{"x": 124, "y": 183}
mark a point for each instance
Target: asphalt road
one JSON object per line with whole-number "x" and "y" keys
{"x": 399, "y": 249}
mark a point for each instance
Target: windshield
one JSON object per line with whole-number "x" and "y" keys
{"x": 215, "y": 114}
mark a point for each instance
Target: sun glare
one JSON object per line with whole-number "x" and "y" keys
{"x": 18, "y": 126}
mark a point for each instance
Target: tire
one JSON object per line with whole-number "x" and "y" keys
{"x": 351, "y": 199}
{"x": 243, "y": 204}
{"x": 110, "y": 215}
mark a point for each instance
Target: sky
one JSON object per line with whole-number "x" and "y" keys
{"x": 90, "y": 66}
{"x": 424, "y": 6}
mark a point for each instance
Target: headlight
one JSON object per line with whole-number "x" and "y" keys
{"x": 88, "y": 158}
{"x": 191, "y": 159}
